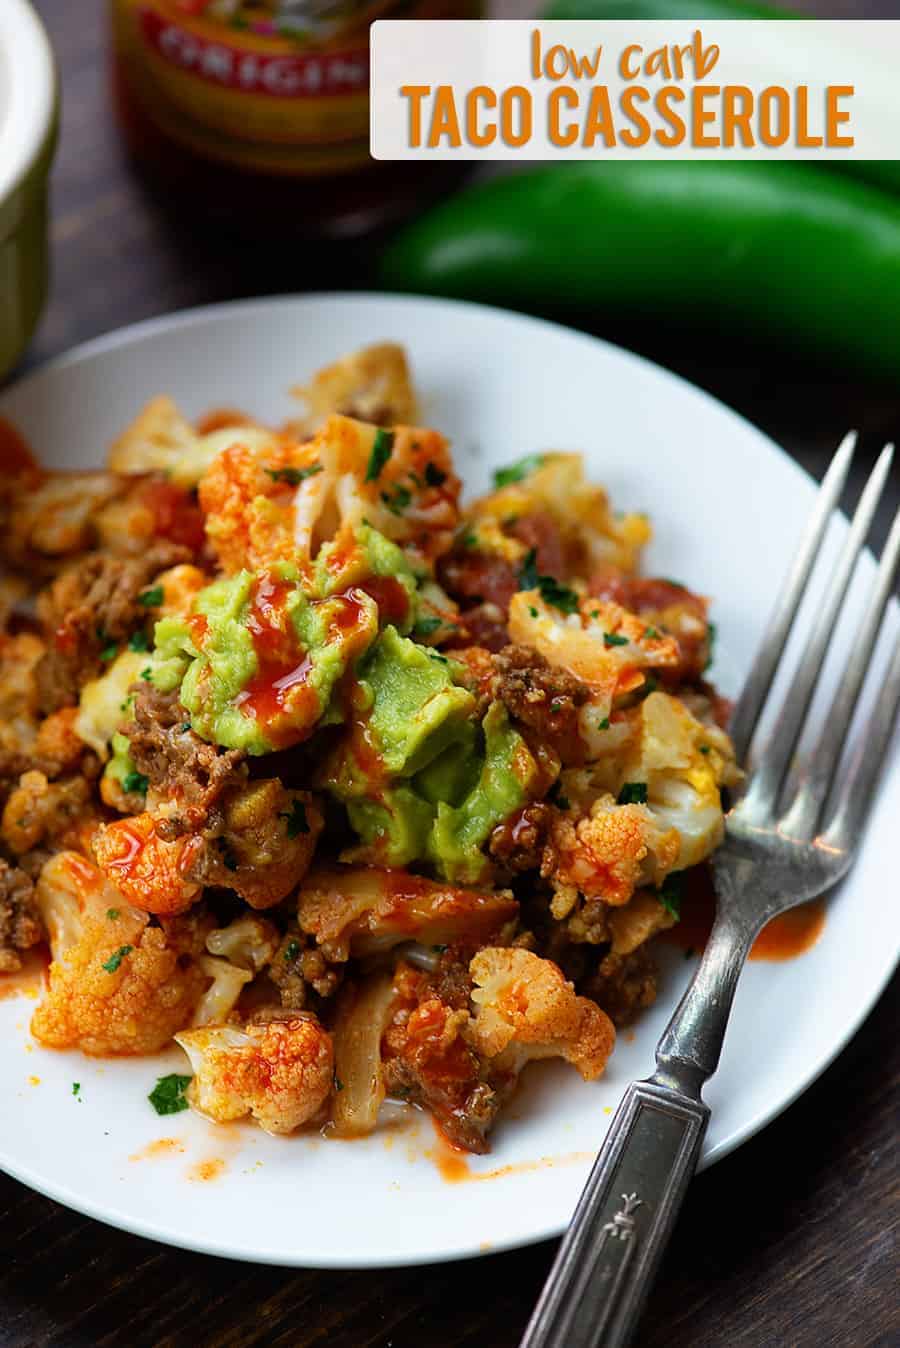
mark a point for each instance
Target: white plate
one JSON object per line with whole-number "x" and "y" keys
{"x": 727, "y": 506}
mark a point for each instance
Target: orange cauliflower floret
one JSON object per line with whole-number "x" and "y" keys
{"x": 525, "y": 1009}
{"x": 248, "y": 495}
{"x": 148, "y": 871}
{"x": 120, "y": 986}
{"x": 608, "y": 853}
{"x": 372, "y": 384}
{"x": 281, "y": 1073}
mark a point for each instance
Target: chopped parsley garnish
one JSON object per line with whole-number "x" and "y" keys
{"x": 294, "y": 476}
{"x": 297, "y": 821}
{"x": 704, "y": 748}
{"x": 381, "y": 452}
{"x": 112, "y": 914}
{"x": 138, "y": 641}
{"x": 136, "y": 782}
{"x": 147, "y": 673}
{"x": 595, "y": 613}
{"x": 433, "y": 475}
{"x": 670, "y": 894}
{"x": 116, "y": 958}
{"x": 123, "y": 706}
{"x": 558, "y": 596}
{"x": 167, "y": 1096}
{"x": 514, "y": 472}
{"x": 604, "y": 724}
{"x": 397, "y": 503}
{"x": 651, "y": 683}
{"x": 633, "y": 793}
{"x": 651, "y": 633}
{"x": 532, "y": 610}
{"x": 76, "y": 1087}
{"x": 613, "y": 639}
{"x": 185, "y": 726}
{"x": 109, "y": 650}
{"x": 468, "y": 540}
{"x": 291, "y": 951}
{"x": 151, "y": 598}
{"x": 424, "y": 627}
{"x": 556, "y": 706}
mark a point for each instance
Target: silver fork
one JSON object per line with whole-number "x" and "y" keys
{"x": 776, "y": 854}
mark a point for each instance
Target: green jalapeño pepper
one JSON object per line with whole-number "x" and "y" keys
{"x": 805, "y": 260}
{"x": 884, "y": 172}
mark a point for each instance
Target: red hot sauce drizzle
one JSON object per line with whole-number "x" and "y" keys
{"x": 280, "y": 696}
{"x": 785, "y": 937}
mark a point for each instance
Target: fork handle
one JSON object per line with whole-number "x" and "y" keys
{"x": 606, "y": 1263}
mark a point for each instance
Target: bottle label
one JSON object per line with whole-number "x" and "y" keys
{"x": 275, "y": 87}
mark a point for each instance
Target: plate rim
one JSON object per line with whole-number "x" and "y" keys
{"x": 132, "y": 334}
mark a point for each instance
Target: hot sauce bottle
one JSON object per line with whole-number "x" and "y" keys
{"x": 258, "y": 110}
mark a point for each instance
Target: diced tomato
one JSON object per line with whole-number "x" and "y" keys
{"x": 176, "y": 513}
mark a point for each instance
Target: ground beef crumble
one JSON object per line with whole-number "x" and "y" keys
{"x": 92, "y": 606}
{"x": 176, "y": 761}
{"x": 20, "y": 927}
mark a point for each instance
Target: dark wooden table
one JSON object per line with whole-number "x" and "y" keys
{"x": 791, "y": 1241}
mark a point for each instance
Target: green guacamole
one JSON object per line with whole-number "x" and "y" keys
{"x": 263, "y": 661}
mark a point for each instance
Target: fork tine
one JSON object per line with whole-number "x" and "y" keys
{"x": 759, "y": 680}
{"x": 765, "y": 782}
{"x": 804, "y": 813}
{"x": 854, "y": 796}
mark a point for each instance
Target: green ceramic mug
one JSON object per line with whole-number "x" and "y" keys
{"x": 29, "y": 102}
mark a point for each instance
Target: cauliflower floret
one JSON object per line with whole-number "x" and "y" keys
{"x": 633, "y": 924}
{"x": 49, "y": 522}
{"x": 162, "y": 441}
{"x": 373, "y": 384}
{"x": 592, "y": 537}
{"x": 38, "y": 809}
{"x": 249, "y": 942}
{"x": 103, "y": 703}
{"x": 281, "y": 1073}
{"x": 67, "y": 882}
{"x": 221, "y": 997}
{"x": 267, "y": 842}
{"x": 683, "y": 764}
{"x": 608, "y": 853}
{"x": 248, "y": 495}
{"x": 672, "y": 766}
{"x": 525, "y": 1009}
{"x": 148, "y": 871}
{"x": 600, "y": 643}
{"x": 283, "y": 502}
{"x": 236, "y": 953}
{"x": 58, "y": 745}
{"x": 155, "y": 441}
{"x": 363, "y": 911}
{"x": 180, "y": 584}
{"x": 19, "y": 696}
{"x": 117, "y": 985}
